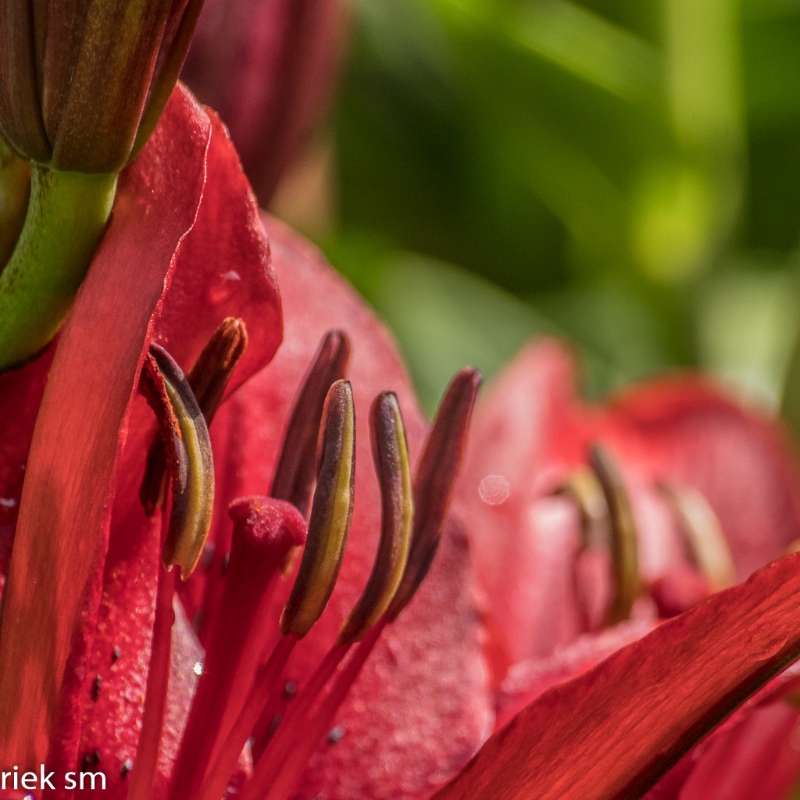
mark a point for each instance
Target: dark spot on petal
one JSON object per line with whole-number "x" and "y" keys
{"x": 336, "y": 734}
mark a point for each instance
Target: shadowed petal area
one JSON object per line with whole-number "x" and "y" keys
{"x": 420, "y": 706}
{"x": 614, "y": 731}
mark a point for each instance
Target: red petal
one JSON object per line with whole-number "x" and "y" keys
{"x": 525, "y": 434}
{"x": 268, "y": 67}
{"x": 81, "y": 426}
{"x": 226, "y": 237}
{"x": 420, "y": 706}
{"x": 613, "y": 731}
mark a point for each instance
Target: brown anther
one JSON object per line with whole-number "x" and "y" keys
{"x": 435, "y": 477}
{"x": 331, "y": 512}
{"x": 207, "y": 379}
{"x": 390, "y": 453}
{"x": 294, "y": 474}
{"x": 624, "y": 549}
{"x": 210, "y": 374}
{"x": 703, "y": 532}
{"x": 185, "y": 433}
{"x": 585, "y": 489}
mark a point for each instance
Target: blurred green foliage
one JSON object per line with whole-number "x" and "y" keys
{"x": 621, "y": 172}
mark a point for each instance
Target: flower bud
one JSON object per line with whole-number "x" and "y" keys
{"x": 82, "y": 84}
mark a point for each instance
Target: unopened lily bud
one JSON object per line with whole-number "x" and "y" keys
{"x": 83, "y": 83}
{"x": 331, "y": 513}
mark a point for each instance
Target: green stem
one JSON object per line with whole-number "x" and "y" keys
{"x": 66, "y": 217}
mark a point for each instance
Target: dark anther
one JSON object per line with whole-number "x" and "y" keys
{"x": 290, "y": 690}
{"x": 331, "y": 513}
{"x": 294, "y": 475}
{"x": 623, "y": 534}
{"x": 207, "y": 379}
{"x": 90, "y": 760}
{"x": 127, "y": 766}
{"x": 434, "y": 480}
{"x": 185, "y": 435}
{"x": 116, "y": 654}
{"x": 96, "y": 687}
{"x": 390, "y": 454}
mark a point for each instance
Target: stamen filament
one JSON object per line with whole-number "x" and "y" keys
{"x": 144, "y": 769}
{"x": 293, "y": 728}
{"x": 265, "y": 530}
{"x": 264, "y": 688}
{"x": 314, "y": 727}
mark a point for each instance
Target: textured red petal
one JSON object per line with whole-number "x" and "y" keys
{"x": 420, "y": 706}
{"x": 81, "y": 427}
{"x": 691, "y": 433}
{"x": 614, "y": 731}
{"x": 268, "y": 67}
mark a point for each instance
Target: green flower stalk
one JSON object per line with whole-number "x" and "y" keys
{"x": 82, "y": 86}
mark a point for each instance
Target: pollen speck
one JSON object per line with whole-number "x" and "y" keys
{"x": 198, "y": 668}
{"x": 494, "y": 490}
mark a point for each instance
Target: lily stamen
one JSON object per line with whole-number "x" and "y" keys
{"x": 208, "y": 378}
{"x": 331, "y": 513}
{"x": 294, "y": 475}
{"x": 703, "y": 531}
{"x": 185, "y": 433}
{"x": 312, "y": 713}
{"x": 624, "y": 548}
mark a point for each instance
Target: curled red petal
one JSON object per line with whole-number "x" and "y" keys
{"x": 614, "y": 731}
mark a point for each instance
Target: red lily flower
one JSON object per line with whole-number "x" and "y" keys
{"x": 679, "y": 433}
{"x": 184, "y": 250}
{"x": 531, "y": 435}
